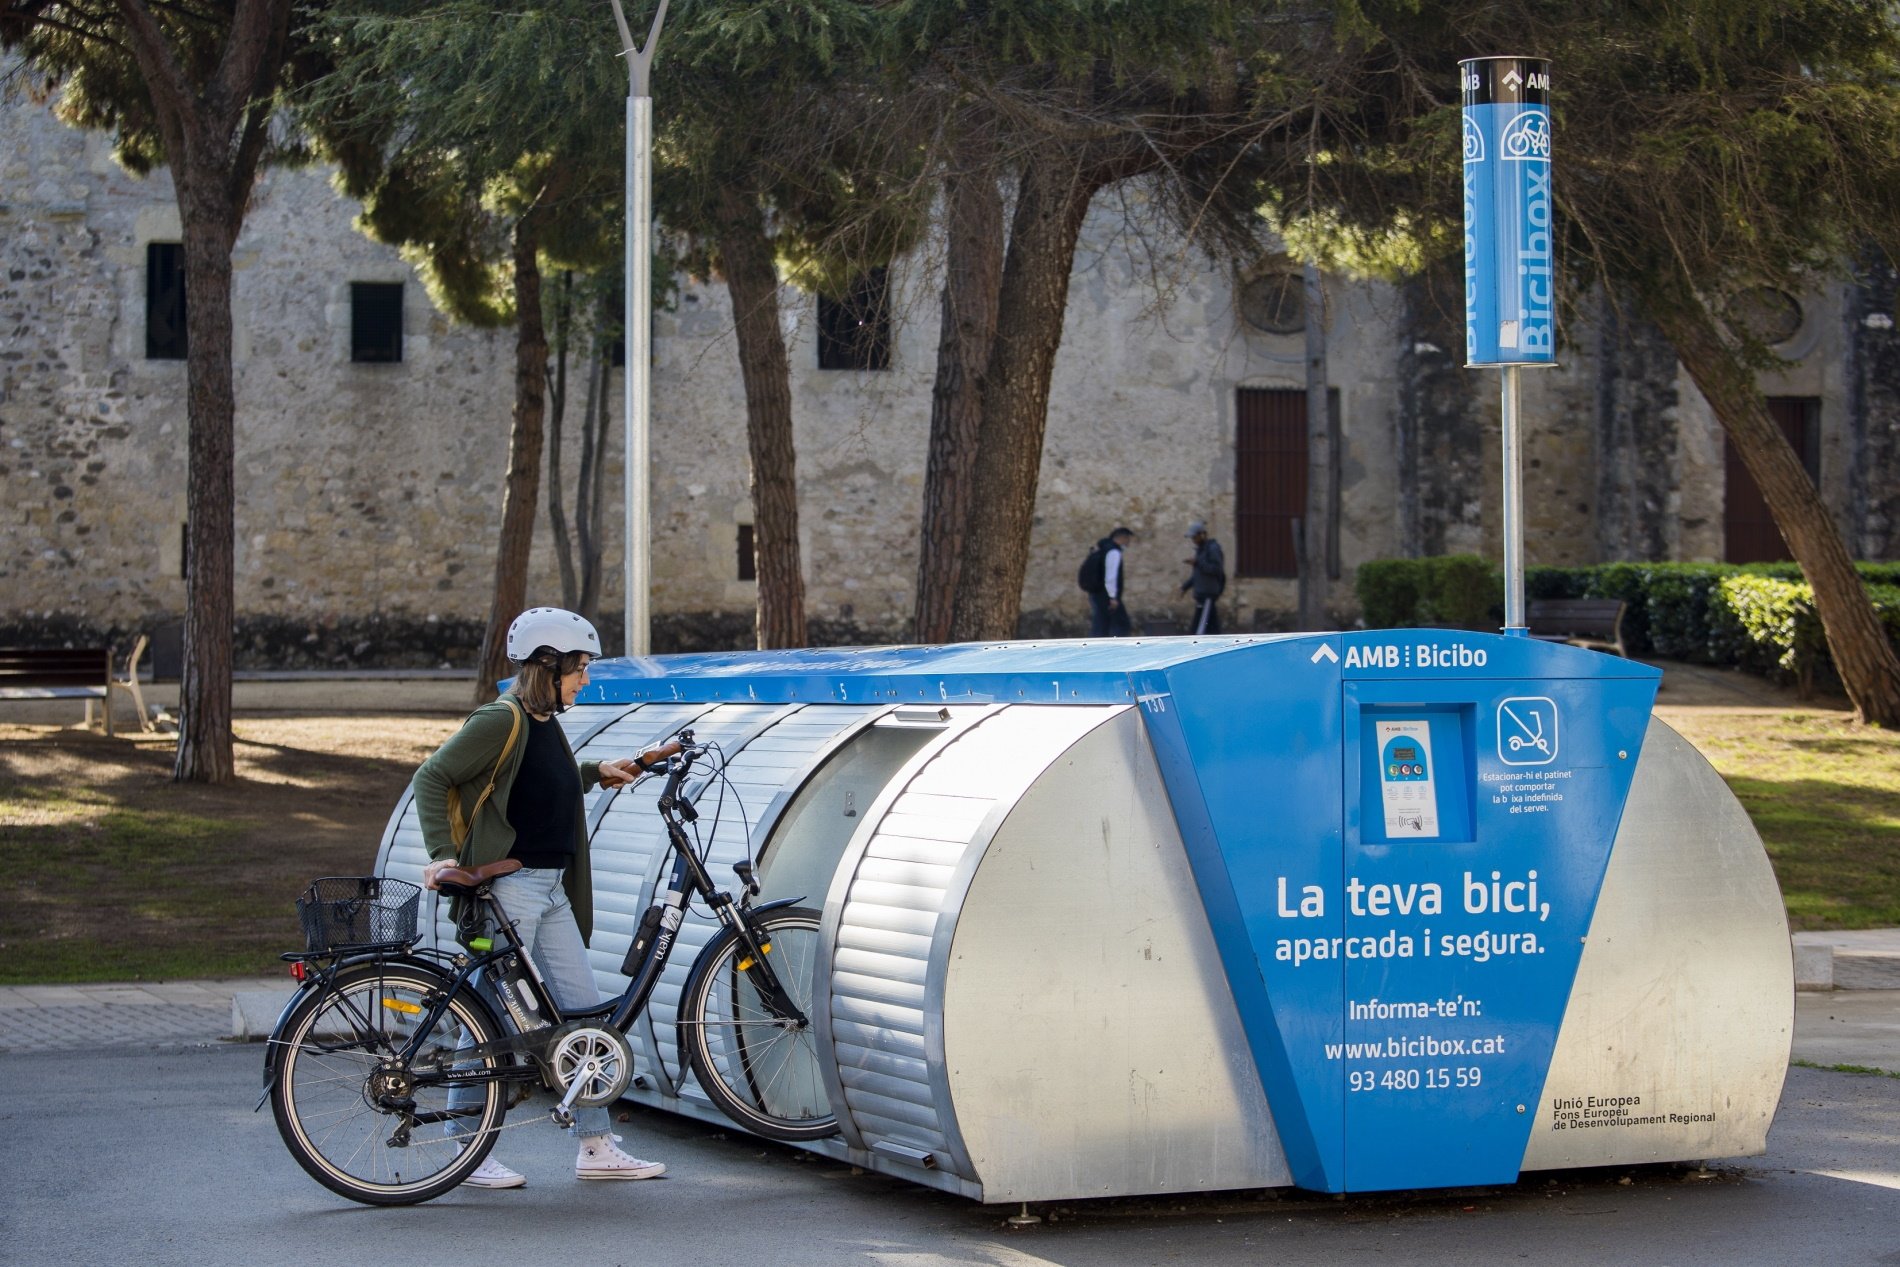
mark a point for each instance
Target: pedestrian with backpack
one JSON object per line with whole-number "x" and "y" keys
{"x": 1104, "y": 578}
{"x": 1207, "y": 579}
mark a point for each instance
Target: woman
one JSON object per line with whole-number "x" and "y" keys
{"x": 511, "y": 763}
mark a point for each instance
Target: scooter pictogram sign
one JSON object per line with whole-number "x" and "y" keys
{"x": 1527, "y": 730}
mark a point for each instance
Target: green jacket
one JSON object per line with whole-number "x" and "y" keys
{"x": 465, "y": 762}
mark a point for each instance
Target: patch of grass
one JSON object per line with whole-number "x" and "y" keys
{"x": 1868, "y": 1070}
{"x": 108, "y": 892}
{"x": 111, "y": 872}
{"x": 1825, "y": 795}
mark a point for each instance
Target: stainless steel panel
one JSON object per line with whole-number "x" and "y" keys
{"x": 1684, "y": 1000}
{"x": 881, "y": 989}
{"x": 897, "y": 895}
{"x": 1090, "y": 1042}
{"x": 849, "y": 1034}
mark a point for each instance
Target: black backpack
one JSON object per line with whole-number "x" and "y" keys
{"x": 1092, "y": 576}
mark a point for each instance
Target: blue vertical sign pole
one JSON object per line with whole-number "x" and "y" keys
{"x": 1510, "y": 280}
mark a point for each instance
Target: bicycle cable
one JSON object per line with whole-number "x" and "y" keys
{"x": 705, "y": 843}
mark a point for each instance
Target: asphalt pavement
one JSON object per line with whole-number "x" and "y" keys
{"x": 150, "y": 1153}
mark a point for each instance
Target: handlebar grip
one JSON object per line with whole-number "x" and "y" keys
{"x": 654, "y": 756}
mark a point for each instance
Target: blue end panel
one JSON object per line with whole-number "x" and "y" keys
{"x": 1249, "y": 746}
{"x": 1345, "y": 801}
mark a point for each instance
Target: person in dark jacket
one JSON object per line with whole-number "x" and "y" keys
{"x": 1207, "y": 580}
{"x": 1108, "y": 613}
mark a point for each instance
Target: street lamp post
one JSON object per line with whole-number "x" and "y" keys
{"x": 637, "y": 336}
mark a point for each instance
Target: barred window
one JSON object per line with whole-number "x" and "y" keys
{"x": 376, "y": 322}
{"x": 165, "y": 301}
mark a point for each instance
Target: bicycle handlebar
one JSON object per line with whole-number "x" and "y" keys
{"x": 652, "y": 758}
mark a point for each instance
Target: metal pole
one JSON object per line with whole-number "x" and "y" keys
{"x": 637, "y": 340}
{"x": 637, "y": 336}
{"x": 1513, "y": 508}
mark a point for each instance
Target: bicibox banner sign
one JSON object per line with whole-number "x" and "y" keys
{"x": 1510, "y": 283}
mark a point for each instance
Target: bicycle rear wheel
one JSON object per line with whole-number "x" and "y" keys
{"x": 760, "y": 1069}
{"x": 362, "y": 1122}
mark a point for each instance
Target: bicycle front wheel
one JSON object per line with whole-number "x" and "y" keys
{"x": 760, "y": 1068}
{"x": 362, "y": 1121}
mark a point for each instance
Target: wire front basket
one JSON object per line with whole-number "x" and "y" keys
{"x": 357, "y": 913}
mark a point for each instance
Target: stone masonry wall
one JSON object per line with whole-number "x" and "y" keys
{"x": 369, "y": 495}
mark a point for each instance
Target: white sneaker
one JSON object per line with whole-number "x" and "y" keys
{"x": 601, "y": 1158}
{"x": 492, "y": 1174}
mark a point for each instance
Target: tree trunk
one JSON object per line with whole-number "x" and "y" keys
{"x": 1316, "y": 523}
{"x": 563, "y": 340}
{"x": 973, "y": 223}
{"x": 204, "y": 733}
{"x": 1052, "y": 198}
{"x": 213, "y": 136}
{"x": 524, "y": 462}
{"x": 752, "y": 280}
{"x": 214, "y": 128}
{"x": 1862, "y": 655}
{"x": 591, "y": 497}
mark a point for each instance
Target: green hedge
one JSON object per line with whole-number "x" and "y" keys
{"x": 1458, "y": 589}
{"x": 1758, "y": 616}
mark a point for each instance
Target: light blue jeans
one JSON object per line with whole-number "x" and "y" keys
{"x": 544, "y": 921}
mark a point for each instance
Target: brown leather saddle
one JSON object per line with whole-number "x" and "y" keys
{"x": 466, "y": 881}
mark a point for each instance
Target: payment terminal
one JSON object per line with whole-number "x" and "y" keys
{"x": 1405, "y": 779}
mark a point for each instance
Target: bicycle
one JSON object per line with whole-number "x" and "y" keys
{"x": 389, "y": 1072}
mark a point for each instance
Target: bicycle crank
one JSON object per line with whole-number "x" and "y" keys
{"x": 589, "y": 1065}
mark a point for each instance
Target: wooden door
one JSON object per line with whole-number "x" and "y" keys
{"x": 1269, "y": 479}
{"x": 1748, "y": 529}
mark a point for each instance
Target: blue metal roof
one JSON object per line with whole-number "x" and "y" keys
{"x": 1074, "y": 671}
{"x": 1068, "y": 671}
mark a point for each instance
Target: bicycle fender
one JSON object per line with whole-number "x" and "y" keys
{"x": 773, "y": 906}
{"x": 274, "y": 1043}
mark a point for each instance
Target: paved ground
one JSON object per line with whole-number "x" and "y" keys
{"x": 72, "y": 1017}
{"x": 1859, "y": 1028}
{"x": 155, "y": 1157}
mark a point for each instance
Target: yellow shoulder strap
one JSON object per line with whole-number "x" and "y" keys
{"x": 514, "y": 733}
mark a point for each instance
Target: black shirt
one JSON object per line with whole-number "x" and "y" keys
{"x": 545, "y": 799}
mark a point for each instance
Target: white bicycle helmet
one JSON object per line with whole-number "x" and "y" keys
{"x": 540, "y": 627}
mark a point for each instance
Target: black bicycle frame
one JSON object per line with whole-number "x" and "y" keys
{"x": 686, "y": 878}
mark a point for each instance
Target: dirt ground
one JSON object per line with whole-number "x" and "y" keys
{"x": 109, "y": 870}
{"x": 1702, "y": 686}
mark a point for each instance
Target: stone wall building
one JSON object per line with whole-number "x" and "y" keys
{"x": 369, "y": 490}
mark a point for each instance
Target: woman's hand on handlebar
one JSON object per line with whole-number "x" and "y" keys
{"x": 627, "y": 769}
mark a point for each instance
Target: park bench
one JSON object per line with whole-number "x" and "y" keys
{"x": 82, "y": 673}
{"x": 1596, "y": 623}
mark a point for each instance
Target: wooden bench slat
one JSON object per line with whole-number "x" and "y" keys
{"x": 52, "y": 692}
{"x": 28, "y": 673}
{"x": 1583, "y": 622}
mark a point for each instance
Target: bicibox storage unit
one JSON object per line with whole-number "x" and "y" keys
{"x": 1361, "y": 911}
